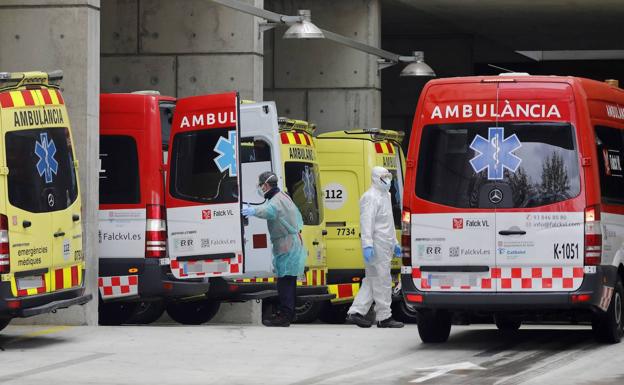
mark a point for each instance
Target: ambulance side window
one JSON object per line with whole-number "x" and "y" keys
{"x": 396, "y": 192}
{"x": 166, "y": 117}
{"x": 254, "y": 150}
{"x": 119, "y": 170}
{"x": 42, "y": 177}
{"x": 609, "y": 143}
{"x": 195, "y": 172}
{"x": 302, "y": 185}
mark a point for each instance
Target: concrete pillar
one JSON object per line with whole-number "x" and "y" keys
{"x": 335, "y": 86}
{"x": 183, "y": 48}
{"x": 64, "y": 34}
{"x": 180, "y": 48}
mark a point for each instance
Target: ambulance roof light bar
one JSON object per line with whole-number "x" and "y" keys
{"x": 379, "y": 134}
{"x": 301, "y": 27}
{"x": 286, "y": 124}
{"x": 18, "y": 79}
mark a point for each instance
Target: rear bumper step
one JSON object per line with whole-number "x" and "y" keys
{"x": 54, "y": 306}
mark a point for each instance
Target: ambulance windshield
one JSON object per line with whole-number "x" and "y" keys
{"x": 42, "y": 177}
{"x": 203, "y": 167}
{"x": 302, "y": 185}
{"x": 528, "y": 164}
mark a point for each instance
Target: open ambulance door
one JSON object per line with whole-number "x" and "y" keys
{"x": 204, "y": 223}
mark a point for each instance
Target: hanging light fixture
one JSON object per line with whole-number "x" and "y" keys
{"x": 302, "y": 28}
{"x": 416, "y": 66}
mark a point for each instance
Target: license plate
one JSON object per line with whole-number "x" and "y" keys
{"x": 29, "y": 283}
{"x": 206, "y": 267}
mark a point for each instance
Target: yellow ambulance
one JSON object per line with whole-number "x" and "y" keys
{"x": 346, "y": 159}
{"x": 41, "y": 256}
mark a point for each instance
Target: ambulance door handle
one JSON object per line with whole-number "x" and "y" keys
{"x": 26, "y": 224}
{"x": 59, "y": 234}
{"x": 75, "y": 217}
{"x": 512, "y": 232}
{"x": 324, "y": 232}
{"x": 315, "y": 243}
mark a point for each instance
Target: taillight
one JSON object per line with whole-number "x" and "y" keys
{"x": 406, "y": 239}
{"x": 5, "y": 262}
{"x": 593, "y": 236}
{"x": 156, "y": 232}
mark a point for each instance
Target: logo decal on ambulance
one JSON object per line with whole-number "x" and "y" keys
{"x": 207, "y": 214}
{"x": 46, "y": 165}
{"x": 495, "y": 153}
{"x": 226, "y": 148}
{"x": 458, "y": 223}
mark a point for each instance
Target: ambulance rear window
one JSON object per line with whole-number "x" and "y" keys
{"x": 530, "y": 164}
{"x": 119, "y": 170}
{"x": 166, "y": 117}
{"x": 302, "y": 183}
{"x": 610, "y": 149}
{"x": 42, "y": 177}
{"x": 196, "y": 167}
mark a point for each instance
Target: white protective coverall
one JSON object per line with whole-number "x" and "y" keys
{"x": 377, "y": 229}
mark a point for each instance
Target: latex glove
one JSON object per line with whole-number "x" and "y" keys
{"x": 368, "y": 254}
{"x": 397, "y": 251}
{"x": 248, "y": 211}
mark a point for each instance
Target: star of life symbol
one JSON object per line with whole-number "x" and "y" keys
{"x": 308, "y": 184}
{"x": 226, "y": 148}
{"x": 47, "y": 165}
{"x": 495, "y": 153}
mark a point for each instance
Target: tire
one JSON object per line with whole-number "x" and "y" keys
{"x": 307, "y": 312}
{"x": 147, "y": 312}
{"x": 608, "y": 327}
{"x": 193, "y": 312}
{"x": 4, "y": 322}
{"x": 434, "y": 326}
{"x": 333, "y": 314}
{"x": 115, "y": 313}
{"x": 402, "y": 312}
{"x": 507, "y": 324}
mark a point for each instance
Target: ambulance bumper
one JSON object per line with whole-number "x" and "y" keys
{"x": 154, "y": 281}
{"x": 587, "y": 296}
{"x": 229, "y": 290}
{"x": 42, "y": 303}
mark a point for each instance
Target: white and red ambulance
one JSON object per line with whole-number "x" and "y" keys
{"x": 514, "y": 203}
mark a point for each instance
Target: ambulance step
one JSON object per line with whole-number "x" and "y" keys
{"x": 315, "y": 297}
{"x": 53, "y": 306}
{"x": 256, "y": 295}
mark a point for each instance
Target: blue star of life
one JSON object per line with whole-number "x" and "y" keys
{"x": 47, "y": 165}
{"x": 495, "y": 153}
{"x": 308, "y": 184}
{"x": 226, "y": 148}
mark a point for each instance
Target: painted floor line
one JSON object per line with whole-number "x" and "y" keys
{"x": 54, "y": 366}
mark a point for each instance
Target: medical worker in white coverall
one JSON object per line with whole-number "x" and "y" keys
{"x": 379, "y": 243}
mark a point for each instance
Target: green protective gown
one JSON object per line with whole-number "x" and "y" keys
{"x": 285, "y": 224}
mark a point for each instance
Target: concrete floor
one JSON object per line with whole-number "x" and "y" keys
{"x": 302, "y": 354}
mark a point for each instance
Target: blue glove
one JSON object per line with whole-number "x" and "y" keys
{"x": 397, "y": 251}
{"x": 368, "y": 254}
{"x": 248, "y": 211}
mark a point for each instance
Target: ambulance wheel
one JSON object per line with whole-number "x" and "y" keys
{"x": 193, "y": 312}
{"x": 402, "y": 312}
{"x": 115, "y": 313}
{"x": 147, "y": 312}
{"x": 507, "y": 324}
{"x": 333, "y": 314}
{"x": 4, "y": 322}
{"x": 307, "y": 312}
{"x": 609, "y": 326}
{"x": 434, "y": 326}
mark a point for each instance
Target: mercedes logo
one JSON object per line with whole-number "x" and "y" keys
{"x": 50, "y": 200}
{"x": 496, "y": 196}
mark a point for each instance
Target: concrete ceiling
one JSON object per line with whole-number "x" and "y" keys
{"x": 516, "y": 24}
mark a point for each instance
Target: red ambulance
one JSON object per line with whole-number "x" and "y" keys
{"x": 163, "y": 234}
{"x": 514, "y": 203}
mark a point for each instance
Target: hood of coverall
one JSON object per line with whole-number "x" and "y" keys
{"x": 376, "y": 174}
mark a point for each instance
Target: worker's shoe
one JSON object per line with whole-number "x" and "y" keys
{"x": 278, "y": 320}
{"x": 359, "y": 320}
{"x": 389, "y": 323}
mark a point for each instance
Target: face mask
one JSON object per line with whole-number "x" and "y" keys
{"x": 260, "y": 192}
{"x": 386, "y": 183}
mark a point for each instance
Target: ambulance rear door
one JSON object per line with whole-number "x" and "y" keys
{"x": 260, "y": 151}
{"x": 203, "y": 202}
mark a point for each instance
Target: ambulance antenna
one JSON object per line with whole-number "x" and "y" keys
{"x": 500, "y": 68}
